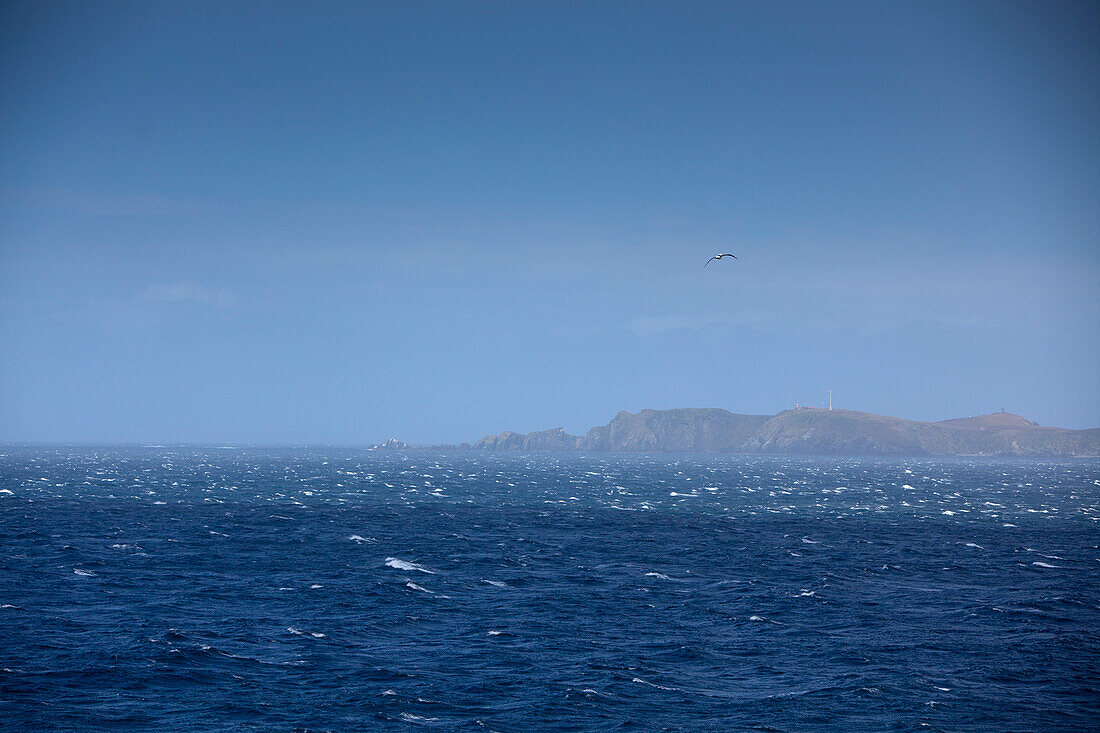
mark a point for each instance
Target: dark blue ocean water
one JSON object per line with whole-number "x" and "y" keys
{"x": 326, "y": 589}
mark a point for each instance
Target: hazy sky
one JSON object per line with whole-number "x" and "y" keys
{"x": 317, "y": 223}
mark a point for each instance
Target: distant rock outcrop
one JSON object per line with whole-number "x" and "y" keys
{"x": 816, "y": 432}
{"x": 391, "y": 444}
{"x": 556, "y": 440}
{"x": 674, "y": 431}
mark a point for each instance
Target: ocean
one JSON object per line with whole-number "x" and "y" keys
{"x": 328, "y": 589}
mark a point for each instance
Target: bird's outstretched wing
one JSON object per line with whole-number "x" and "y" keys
{"x": 727, "y": 254}
{"x": 712, "y": 259}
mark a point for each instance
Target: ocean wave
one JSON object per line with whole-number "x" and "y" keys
{"x": 640, "y": 681}
{"x": 399, "y": 564}
{"x": 662, "y": 576}
{"x": 413, "y": 586}
{"x": 309, "y": 634}
{"x": 418, "y": 719}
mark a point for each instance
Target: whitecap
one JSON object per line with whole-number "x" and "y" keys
{"x": 299, "y": 632}
{"x": 398, "y": 564}
{"x": 494, "y": 632}
{"x": 974, "y": 544}
{"x": 1045, "y": 565}
{"x": 410, "y": 718}
{"x": 662, "y": 576}
{"x": 360, "y": 539}
{"x": 757, "y": 618}
{"x": 86, "y": 573}
{"x": 497, "y": 583}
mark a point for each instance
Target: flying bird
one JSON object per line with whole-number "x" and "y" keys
{"x": 720, "y": 256}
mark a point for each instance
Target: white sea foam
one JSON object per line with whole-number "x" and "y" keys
{"x": 299, "y": 632}
{"x": 974, "y": 544}
{"x": 1045, "y": 565}
{"x": 399, "y": 564}
{"x": 410, "y": 718}
{"x": 360, "y": 539}
{"x": 757, "y": 618}
{"x": 414, "y": 586}
{"x": 497, "y": 583}
{"x": 640, "y": 681}
{"x": 81, "y": 571}
{"x": 662, "y": 576}
{"x": 494, "y": 632}
{"x": 9, "y": 492}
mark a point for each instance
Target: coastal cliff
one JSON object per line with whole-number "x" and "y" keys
{"x": 812, "y": 432}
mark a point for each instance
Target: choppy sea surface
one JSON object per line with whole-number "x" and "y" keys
{"x": 334, "y": 589}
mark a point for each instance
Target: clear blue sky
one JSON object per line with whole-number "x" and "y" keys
{"x": 334, "y": 223}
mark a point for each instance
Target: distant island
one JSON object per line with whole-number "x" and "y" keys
{"x": 800, "y": 431}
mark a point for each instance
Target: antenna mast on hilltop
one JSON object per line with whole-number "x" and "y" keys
{"x": 830, "y": 398}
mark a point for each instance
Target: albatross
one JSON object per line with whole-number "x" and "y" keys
{"x": 720, "y": 256}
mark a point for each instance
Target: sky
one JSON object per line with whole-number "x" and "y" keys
{"x": 333, "y": 223}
